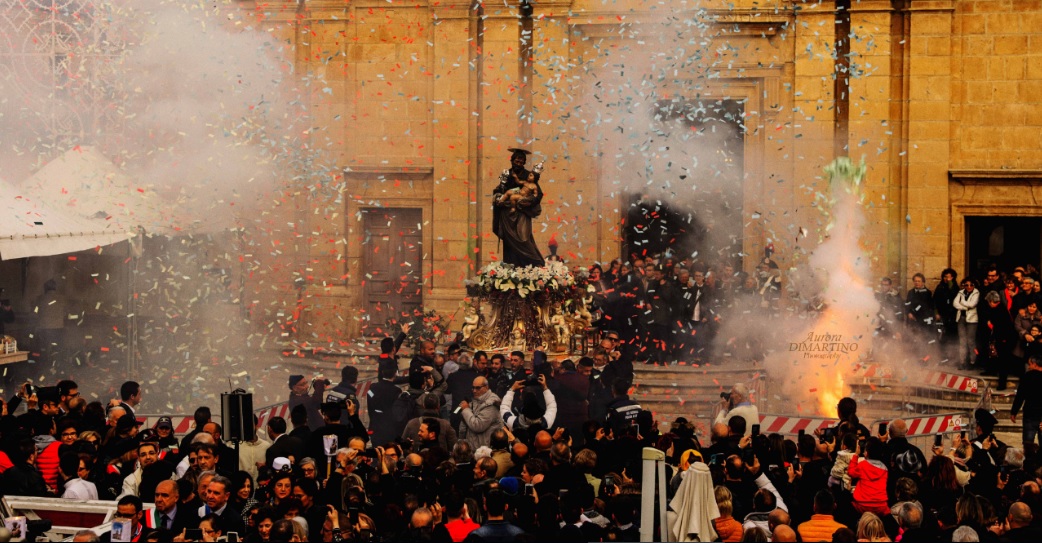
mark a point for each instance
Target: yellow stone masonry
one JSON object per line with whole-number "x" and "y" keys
{"x": 425, "y": 98}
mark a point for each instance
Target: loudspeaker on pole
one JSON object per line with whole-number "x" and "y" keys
{"x": 237, "y": 415}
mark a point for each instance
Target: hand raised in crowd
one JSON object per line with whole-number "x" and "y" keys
{"x": 436, "y": 513}
{"x": 333, "y": 516}
{"x": 793, "y": 472}
{"x": 464, "y": 404}
{"x": 755, "y": 466}
{"x": 346, "y": 457}
{"x": 745, "y": 442}
{"x": 542, "y": 380}
{"x": 518, "y": 385}
{"x": 384, "y": 470}
{"x": 405, "y": 327}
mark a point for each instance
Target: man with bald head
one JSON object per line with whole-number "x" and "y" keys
{"x": 541, "y": 445}
{"x": 1018, "y": 524}
{"x": 722, "y": 442}
{"x": 903, "y": 459}
{"x": 481, "y": 417}
{"x": 783, "y": 533}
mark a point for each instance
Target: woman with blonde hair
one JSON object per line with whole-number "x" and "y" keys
{"x": 727, "y": 528}
{"x": 870, "y": 528}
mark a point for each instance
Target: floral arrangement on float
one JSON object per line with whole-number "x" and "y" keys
{"x": 553, "y": 280}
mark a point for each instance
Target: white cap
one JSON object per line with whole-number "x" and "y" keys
{"x": 281, "y": 463}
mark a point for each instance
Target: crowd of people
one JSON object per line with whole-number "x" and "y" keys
{"x": 462, "y": 446}
{"x": 993, "y": 325}
{"x": 672, "y": 310}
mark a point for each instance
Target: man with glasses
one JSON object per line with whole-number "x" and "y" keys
{"x": 620, "y": 359}
{"x": 991, "y": 281}
{"x": 481, "y": 417}
{"x": 147, "y": 454}
{"x": 130, "y": 508}
{"x": 67, "y": 390}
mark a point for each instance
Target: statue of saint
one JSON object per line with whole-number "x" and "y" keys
{"x": 515, "y": 203}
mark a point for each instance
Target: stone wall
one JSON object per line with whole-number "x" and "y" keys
{"x": 422, "y": 100}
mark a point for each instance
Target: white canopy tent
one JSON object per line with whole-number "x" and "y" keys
{"x": 29, "y": 227}
{"x": 87, "y": 183}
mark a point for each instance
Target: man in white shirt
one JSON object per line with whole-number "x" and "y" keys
{"x": 72, "y": 468}
{"x": 738, "y": 405}
{"x": 147, "y": 454}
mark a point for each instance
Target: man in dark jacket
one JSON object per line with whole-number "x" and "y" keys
{"x": 382, "y": 395}
{"x": 346, "y": 391}
{"x": 1019, "y": 522}
{"x": 571, "y": 393}
{"x": 431, "y": 405}
{"x": 622, "y": 411}
{"x": 282, "y": 444}
{"x": 24, "y": 479}
{"x": 904, "y": 459}
{"x": 620, "y": 358}
{"x": 459, "y": 383}
{"x": 656, "y": 317}
{"x": 298, "y": 395}
{"x": 1029, "y": 396}
{"x": 331, "y": 414}
{"x": 389, "y": 348}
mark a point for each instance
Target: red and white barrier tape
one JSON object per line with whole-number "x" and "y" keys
{"x": 940, "y": 379}
{"x": 782, "y": 424}
{"x": 938, "y": 424}
{"x": 953, "y": 382}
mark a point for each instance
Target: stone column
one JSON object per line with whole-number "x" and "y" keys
{"x": 875, "y": 126}
{"x": 454, "y": 214}
{"x": 929, "y": 81}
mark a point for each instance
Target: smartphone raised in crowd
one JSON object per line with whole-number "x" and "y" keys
{"x": 937, "y": 440}
{"x": 882, "y": 428}
{"x": 756, "y": 429}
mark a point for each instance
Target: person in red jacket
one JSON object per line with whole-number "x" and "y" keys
{"x": 47, "y": 461}
{"x": 870, "y": 475}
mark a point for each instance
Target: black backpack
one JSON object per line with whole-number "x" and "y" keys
{"x": 404, "y": 409}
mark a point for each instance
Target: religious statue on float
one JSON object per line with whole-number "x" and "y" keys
{"x": 515, "y": 204}
{"x": 527, "y": 298}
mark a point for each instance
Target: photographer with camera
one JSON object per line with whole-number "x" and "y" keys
{"x": 736, "y": 403}
{"x": 531, "y": 417}
{"x": 298, "y": 395}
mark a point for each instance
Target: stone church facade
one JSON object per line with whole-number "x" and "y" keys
{"x": 422, "y": 99}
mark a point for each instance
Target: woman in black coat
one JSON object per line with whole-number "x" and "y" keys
{"x": 1000, "y": 336}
